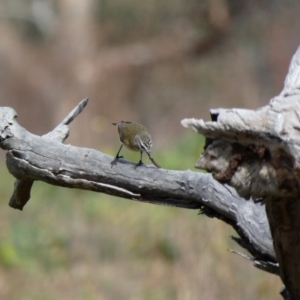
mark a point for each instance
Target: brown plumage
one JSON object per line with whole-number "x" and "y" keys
{"x": 135, "y": 137}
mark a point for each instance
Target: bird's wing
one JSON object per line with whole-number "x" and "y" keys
{"x": 144, "y": 145}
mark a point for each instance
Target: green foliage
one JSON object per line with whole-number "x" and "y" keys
{"x": 167, "y": 249}
{"x": 184, "y": 153}
{"x": 8, "y": 254}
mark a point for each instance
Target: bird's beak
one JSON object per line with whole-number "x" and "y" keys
{"x": 114, "y": 124}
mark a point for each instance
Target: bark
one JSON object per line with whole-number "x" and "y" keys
{"x": 31, "y": 157}
{"x": 258, "y": 153}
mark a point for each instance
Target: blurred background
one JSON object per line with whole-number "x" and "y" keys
{"x": 155, "y": 62}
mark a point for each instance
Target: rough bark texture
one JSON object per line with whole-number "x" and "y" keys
{"x": 258, "y": 153}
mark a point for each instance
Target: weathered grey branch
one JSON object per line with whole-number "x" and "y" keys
{"x": 269, "y": 267}
{"x": 258, "y": 153}
{"x": 31, "y": 157}
{"x": 22, "y": 188}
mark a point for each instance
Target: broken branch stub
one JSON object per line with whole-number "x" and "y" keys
{"x": 22, "y": 188}
{"x": 256, "y": 152}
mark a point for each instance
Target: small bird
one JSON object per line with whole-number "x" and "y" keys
{"x": 135, "y": 137}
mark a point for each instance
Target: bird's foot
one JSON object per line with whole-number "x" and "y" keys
{"x": 140, "y": 163}
{"x": 114, "y": 162}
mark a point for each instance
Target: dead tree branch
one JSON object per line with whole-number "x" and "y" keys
{"x": 258, "y": 153}
{"x": 31, "y": 157}
{"x": 22, "y": 188}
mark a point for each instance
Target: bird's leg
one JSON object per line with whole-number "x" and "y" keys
{"x": 140, "y": 163}
{"x": 117, "y": 157}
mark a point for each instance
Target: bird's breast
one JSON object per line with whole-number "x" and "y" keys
{"x": 130, "y": 145}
